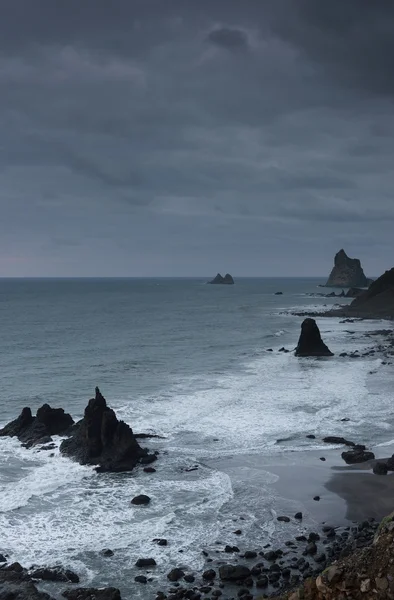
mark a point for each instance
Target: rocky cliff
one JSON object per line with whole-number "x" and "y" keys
{"x": 377, "y": 301}
{"x": 347, "y": 272}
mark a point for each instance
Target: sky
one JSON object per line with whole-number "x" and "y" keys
{"x": 187, "y": 137}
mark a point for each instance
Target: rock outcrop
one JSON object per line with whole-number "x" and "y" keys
{"x": 16, "y": 584}
{"x": 347, "y": 272}
{"x": 310, "y": 342}
{"x": 377, "y": 301}
{"x": 100, "y": 439}
{"x": 39, "y": 429}
{"x": 226, "y": 280}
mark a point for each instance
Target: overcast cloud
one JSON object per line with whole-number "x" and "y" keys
{"x": 186, "y": 137}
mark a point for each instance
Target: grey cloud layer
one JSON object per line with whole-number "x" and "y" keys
{"x": 199, "y": 124}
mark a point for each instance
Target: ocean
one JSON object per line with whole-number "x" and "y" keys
{"x": 189, "y": 362}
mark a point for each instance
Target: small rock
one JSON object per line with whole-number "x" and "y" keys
{"x": 317, "y": 498}
{"x": 149, "y": 470}
{"x": 262, "y": 582}
{"x": 238, "y": 532}
{"x": 189, "y": 578}
{"x": 298, "y": 516}
{"x": 380, "y": 468}
{"x": 284, "y": 519}
{"x": 141, "y": 579}
{"x": 175, "y": 575}
{"x": 107, "y": 552}
{"x": 233, "y": 572}
{"x": 142, "y": 499}
{"x": 322, "y": 459}
{"x": 311, "y": 437}
{"x": 311, "y": 548}
{"x": 250, "y": 554}
{"x": 145, "y": 562}
{"x": 313, "y": 537}
{"x": 161, "y": 541}
{"x": 209, "y": 575}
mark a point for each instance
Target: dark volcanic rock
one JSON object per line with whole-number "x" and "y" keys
{"x": 141, "y": 500}
{"x": 175, "y": 575}
{"x": 347, "y": 272}
{"x": 226, "y": 280}
{"x": 380, "y": 468}
{"x": 56, "y": 574}
{"x": 333, "y": 439}
{"x": 38, "y": 430}
{"x": 100, "y": 439}
{"x": 377, "y": 301}
{"x": 233, "y": 572}
{"x": 92, "y": 594}
{"x": 145, "y": 562}
{"x": 357, "y": 455}
{"x": 16, "y": 584}
{"x": 310, "y": 342}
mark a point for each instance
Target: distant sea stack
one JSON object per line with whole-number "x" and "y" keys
{"x": 347, "y": 272}
{"x": 226, "y": 280}
{"x": 310, "y": 342}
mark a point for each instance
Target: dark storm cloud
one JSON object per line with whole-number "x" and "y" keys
{"x": 226, "y": 37}
{"x": 141, "y": 137}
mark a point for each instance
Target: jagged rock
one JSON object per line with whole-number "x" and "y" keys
{"x": 100, "y": 439}
{"x": 36, "y": 430}
{"x": 92, "y": 594}
{"x": 347, "y": 272}
{"x": 56, "y": 574}
{"x": 226, "y": 280}
{"x": 310, "y": 342}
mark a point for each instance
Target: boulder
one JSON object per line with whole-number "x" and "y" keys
{"x": 347, "y": 272}
{"x": 16, "y": 584}
{"x": 233, "y": 572}
{"x": 310, "y": 342}
{"x": 39, "y": 429}
{"x": 357, "y": 455}
{"x": 142, "y": 499}
{"x": 219, "y": 279}
{"x": 56, "y": 574}
{"x": 100, "y": 439}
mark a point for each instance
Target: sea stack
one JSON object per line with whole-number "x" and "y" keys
{"x": 347, "y": 272}
{"x": 310, "y": 342}
{"x": 100, "y": 439}
{"x": 226, "y": 280}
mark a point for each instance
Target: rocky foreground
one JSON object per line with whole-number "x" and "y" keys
{"x": 366, "y": 573}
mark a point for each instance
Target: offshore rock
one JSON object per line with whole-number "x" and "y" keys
{"x": 226, "y": 280}
{"x": 310, "y": 342}
{"x": 100, "y": 439}
{"x": 39, "y": 429}
{"x": 347, "y": 272}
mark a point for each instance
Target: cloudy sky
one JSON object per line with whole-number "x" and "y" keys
{"x": 186, "y": 137}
